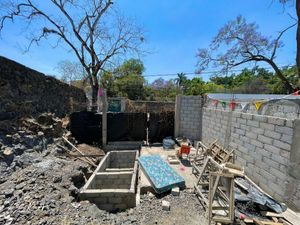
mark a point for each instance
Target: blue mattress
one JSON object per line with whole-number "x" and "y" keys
{"x": 161, "y": 176}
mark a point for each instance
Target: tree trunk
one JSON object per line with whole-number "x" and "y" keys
{"x": 285, "y": 81}
{"x": 95, "y": 87}
{"x": 298, "y": 41}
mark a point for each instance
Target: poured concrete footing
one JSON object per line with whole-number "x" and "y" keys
{"x": 112, "y": 186}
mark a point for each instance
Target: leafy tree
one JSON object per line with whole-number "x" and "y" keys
{"x": 163, "y": 90}
{"x": 181, "y": 81}
{"x": 92, "y": 30}
{"x": 244, "y": 44}
{"x": 297, "y": 8}
{"x": 196, "y": 86}
{"x": 126, "y": 80}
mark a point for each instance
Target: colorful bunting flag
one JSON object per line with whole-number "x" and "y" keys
{"x": 215, "y": 102}
{"x": 232, "y": 105}
{"x": 243, "y": 105}
{"x": 258, "y": 104}
{"x": 223, "y": 104}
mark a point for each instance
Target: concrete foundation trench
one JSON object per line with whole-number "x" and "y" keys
{"x": 112, "y": 186}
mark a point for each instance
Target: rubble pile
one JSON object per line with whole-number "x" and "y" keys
{"x": 37, "y": 183}
{"x": 40, "y": 183}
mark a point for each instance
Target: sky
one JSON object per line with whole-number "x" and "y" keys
{"x": 174, "y": 30}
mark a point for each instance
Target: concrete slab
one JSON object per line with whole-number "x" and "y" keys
{"x": 184, "y": 169}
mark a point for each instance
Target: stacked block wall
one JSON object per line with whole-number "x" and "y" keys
{"x": 263, "y": 145}
{"x": 190, "y": 116}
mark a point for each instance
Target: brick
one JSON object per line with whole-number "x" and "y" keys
{"x": 267, "y": 176}
{"x": 282, "y": 145}
{"x": 245, "y": 139}
{"x": 263, "y": 152}
{"x": 267, "y": 126}
{"x": 285, "y": 154}
{"x": 289, "y": 123}
{"x": 279, "y": 159}
{"x": 257, "y": 130}
{"x": 239, "y": 131}
{"x": 245, "y": 127}
{"x": 271, "y": 162}
{"x": 250, "y": 147}
{"x": 279, "y": 189}
{"x": 279, "y": 174}
{"x": 272, "y": 149}
{"x": 247, "y": 116}
{"x": 276, "y": 121}
{"x": 256, "y": 143}
{"x": 284, "y": 130}
{"x": 287, "y": 138}
{"x": 265, "y": 139}
{"x": 253, "y": 123}
{"x": 175, "y": 191}
{"x": 260, "y": 118}
{"x": 165, "y": 205}
{"x": 243, "y": 150}
{"x": 272, "y": 134}
{"x": 251, "y": 135}
{"x": 242, "y": 121}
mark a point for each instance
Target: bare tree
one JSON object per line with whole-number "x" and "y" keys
{"x": 243, "y": 43}
{"x": 297, "y": 7}
{"x": 92, "y": 29}
{"x": 70, "y": 71}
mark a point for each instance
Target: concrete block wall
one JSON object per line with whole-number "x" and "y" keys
{"x": 116, "y": 189}
{"x": 110, "y": 201}
{"x": 124, "y": 160}
{"x": 188, "y": 116}
{"x": 117, "y": 180}
{"x": 264, "y": 145}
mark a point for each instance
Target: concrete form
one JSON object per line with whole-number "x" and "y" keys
{"x": 112, "y": 186}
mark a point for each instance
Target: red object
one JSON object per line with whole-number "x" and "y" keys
{"x": 185, "y": 149}
{"x": 242, "y": 216}
{"x": 232, "y": 105}
{"x": 296, "y": 93}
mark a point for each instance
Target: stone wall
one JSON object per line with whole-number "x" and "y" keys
{"x": 264, "y": 145}
{"x": 188, "y": 117}
{"x": 24, "y": 91}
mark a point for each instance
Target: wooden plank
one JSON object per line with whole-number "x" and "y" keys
{"x": 271, "y": 214}
{"x": 257, "y": 222}
{"x": 247, "y": 220}
{"x": 73, "y": 146}
{"x": 291, "y": 217}
{"x": 241, "y": 185}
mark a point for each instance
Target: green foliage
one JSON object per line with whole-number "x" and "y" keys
{"x": 128, "y": 81}
{"x": 125, "y": 81}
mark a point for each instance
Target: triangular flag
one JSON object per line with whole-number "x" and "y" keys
{"x": 215, "y": 102}
{"x": 258, "y": 104}
{"x": 223, "y": 104}
{"x": 296, "y": 93}
{"x": 243, "y": 105}
{"x": 232, "y": 105}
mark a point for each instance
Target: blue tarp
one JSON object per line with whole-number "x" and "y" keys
{"x": 161, "y": 176}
